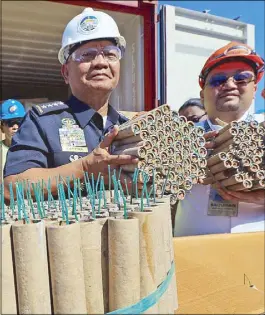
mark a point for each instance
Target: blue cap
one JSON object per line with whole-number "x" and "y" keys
{"x": 11, "y": 109}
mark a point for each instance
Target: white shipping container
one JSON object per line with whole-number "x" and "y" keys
{"x": 187, "y": 39}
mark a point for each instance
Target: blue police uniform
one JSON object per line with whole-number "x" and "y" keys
{"x": 56, "y": 133}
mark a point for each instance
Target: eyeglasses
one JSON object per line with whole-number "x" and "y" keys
{"x": 238, "y": 78}
{"x": 110, "y": 53}
{"x": 195, "y": 119}
{"x": 12, "y": 122}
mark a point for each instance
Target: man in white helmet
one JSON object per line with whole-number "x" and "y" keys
{"x": 80, "y": 129}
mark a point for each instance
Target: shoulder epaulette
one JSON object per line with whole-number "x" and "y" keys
{"x": 45, "y": 108}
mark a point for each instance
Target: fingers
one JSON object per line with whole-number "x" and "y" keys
{"x": 209, "y": 137}
{"x": 122, "y": 159}
{"x": 210, "y": 134}
{"x": 256, "y": 196}
{"x": 223, "y": 192}
{"x": 109, "y": 137}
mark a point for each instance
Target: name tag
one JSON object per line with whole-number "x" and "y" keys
{"x": 217, "y": 206}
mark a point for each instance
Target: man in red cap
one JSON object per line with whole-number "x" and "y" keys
{"x": 229, "y": 81}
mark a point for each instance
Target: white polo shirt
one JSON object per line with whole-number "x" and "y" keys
{"x": 192, "y": 213}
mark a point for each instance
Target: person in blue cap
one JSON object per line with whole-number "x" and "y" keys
{"x": 12, "y": 113}
{"x": 68, "y": 138}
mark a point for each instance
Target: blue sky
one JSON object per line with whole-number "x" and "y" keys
{"x": 251, "y": 12}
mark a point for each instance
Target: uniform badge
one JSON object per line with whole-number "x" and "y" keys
{"x": 68, "y": 122}
{"x": 72, "y": 137}
{"x": 88, "y": 24}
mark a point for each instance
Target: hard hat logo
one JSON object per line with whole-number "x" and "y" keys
{"x": 87, "y": 24}
{"x": 12, "y": 109}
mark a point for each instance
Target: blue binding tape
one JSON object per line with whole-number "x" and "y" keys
{"x": 150, "y": 300}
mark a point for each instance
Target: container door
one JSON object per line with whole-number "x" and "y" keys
{"x": 187, "y": 38}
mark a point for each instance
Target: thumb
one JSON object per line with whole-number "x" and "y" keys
{"x": 109, "y": 137}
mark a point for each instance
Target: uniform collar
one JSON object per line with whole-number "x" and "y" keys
{"x": 84, "y": 113}
{"x": 247, "y": 116}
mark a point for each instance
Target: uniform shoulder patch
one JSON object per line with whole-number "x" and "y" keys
{"x": 45, "y": 108}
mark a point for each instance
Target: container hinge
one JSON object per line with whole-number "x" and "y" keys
{"x": 157, "y": 18}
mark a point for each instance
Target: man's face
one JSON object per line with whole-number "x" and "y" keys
{"x": 10, "y": 127}
{"x": 193, "y": 113}
{"x": 230, "y": 96}
{"x": 97, "y": 75}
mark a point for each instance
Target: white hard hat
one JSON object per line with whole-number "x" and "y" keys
{"x": 86, "y": 26}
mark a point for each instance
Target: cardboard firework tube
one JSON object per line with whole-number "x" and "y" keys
{"x": 228, "y": 134}
{"x": 224, "y": 144}
{"x": 254, "y": 167}
{"x": 261, "y": 129}
{"x": 241, "y": 154}
{"x": 221, "y": 166}
{"x": 136, "y": 151}
{"x": 66, "y": 269}
{"x": 152, "y": 128}
{"x": 223, "y": 174}
{"x": 229, "y": 148}
{"x": 104, "y": 261}
{"x": 246, "y": 162}
{"x": 159, "y": 256}
{"x": 235, "y": 163}
{"x": 8, "y": 297}
{"x": 134, "y": 139}
{"x": 142, "y": 123}
{"x": 214, "y": 159}
{"x": 256, "y": 159}
{"x": 228, "y": 126}
{"x": 165, "y": 109}
{"x": 148, "y": 145}
{"x": 253, "y": 124}
{"x": 128, "y": 131}
{"x": 150, "y": 118}
{"x": 199, "y": 131}
{"x": 246, "y": 184}
{"x": 124, "y": 262}
{"x": 234, "y": 179}
{"x": 128, "y": 146}
{"x": 258, "y": 152}
{"x": 147, "y": 255}
{"x": 164, "y": 211}
{"x": 132, "y": 167}
{"x": 248, "y": 131}
{"x": 91, "y": 253}
{"x": 31, "y": 265}
{"x": 167, "y": 119}
{"x": 258, "y": 184}
{"x": 260, "y": 174}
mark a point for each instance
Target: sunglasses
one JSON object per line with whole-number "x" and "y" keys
{"x": 238, "y": 78}
{"x": 110, "y": 53}
{"x": 12, "y": 122}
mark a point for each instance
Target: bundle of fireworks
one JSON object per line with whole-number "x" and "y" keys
{"x": 237, "y": 161}
{"x": 107, "y": 251}
{"x": 168, "y": 147}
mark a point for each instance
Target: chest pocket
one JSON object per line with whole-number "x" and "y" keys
{"x": 65, "y": 157}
